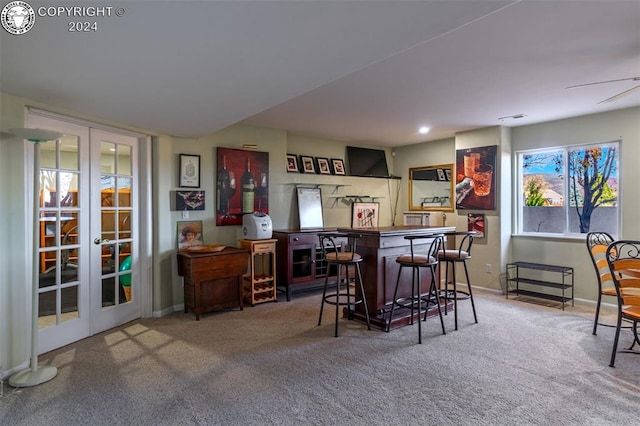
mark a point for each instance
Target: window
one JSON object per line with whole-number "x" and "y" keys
{"x": 569, "y": 190}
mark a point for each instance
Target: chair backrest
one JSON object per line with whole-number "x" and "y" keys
{"x": 429, "y": 251}
{"x": 464, "y": 246}
{"x": 332, "y": 242}
{"x": 623, "y": 258}
{"x": 597, "y": 243}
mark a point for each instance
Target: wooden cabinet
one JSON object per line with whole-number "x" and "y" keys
{"x": 213, "y": 280}
{"x": 260, "y": 281}
{"x": 300, "y": 265}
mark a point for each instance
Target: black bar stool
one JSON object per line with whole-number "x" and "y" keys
{"x": 453, "y": 257}
{"x": 342, "y": 256}
{"x": 415, "y": 261}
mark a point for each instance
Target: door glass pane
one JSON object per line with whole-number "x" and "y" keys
{"x": 107, "y": 157}
{"x": 47, "y": 188}
{"x": 124, "y": 192}
{"x": 124, "y": 219}
{"x": 69, "y": 303}
{"x": 47, "y": 308}
{"x": 108, "y": 291}
{"x": 69, "y": 152}
{"x": 124, "y": 160}
{"x": 48, "y": 154}
{"x": 48, "y": 268}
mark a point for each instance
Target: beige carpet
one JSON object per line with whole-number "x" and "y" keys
{"x": 270, "y": 364}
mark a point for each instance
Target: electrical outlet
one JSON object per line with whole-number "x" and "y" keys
{"x": 185, "y": 214}
{"x": 488, "y": 268}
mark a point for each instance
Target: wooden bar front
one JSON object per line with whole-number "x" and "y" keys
{"x": 379, "y": 248}
{"x": 213, "y": 280}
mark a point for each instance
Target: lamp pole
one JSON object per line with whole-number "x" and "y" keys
{"x": 35, "y": 375}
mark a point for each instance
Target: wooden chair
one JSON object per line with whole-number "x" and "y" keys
{"x": 597, "y": 243}
{"x": 623, "y": 258}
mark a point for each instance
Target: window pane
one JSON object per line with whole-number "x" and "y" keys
{"x": 543, "y": 186}
{"x": 593, "y": 188}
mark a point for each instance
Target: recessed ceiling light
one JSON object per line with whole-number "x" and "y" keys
{"x": 423, "y": 130}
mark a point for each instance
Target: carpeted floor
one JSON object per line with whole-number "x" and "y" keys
{"x": 271, "y": 364}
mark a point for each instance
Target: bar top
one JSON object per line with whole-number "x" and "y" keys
{"x": 385, "y": 231}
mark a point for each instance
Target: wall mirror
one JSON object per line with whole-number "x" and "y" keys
{"x": 430, "y": 188}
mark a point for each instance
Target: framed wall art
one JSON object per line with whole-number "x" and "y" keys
{"x": 292, "y": 163}
{"x": 189, "y": 234}
{"x": 187, "y": 200}
{"x": 476, "y": 178}
{"x": 323, "y": 166}
{"x": 365, "y": 215}
{"x": 337, "y": 166}
{"x": 476, "y": 223}
{"x": 242, "y": 184}
{"x": 307, "y": 164}
{"x": 189, "y": 171}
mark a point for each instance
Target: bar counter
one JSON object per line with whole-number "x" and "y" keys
{"x": 379, "y": 248}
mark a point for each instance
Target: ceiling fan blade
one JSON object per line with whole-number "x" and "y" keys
{"x": 603, "y": 82}
{"x": 619, "y": 95}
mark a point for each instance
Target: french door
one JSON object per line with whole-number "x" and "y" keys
{"x": 88, "y": 254}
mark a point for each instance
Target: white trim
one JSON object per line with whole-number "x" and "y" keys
{"x": 85, "y": 123}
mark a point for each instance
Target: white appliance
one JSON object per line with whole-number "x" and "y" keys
{"x": 256, "y": 226}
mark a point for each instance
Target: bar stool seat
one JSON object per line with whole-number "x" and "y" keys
{"x": 419, "y": 301}
{"x": 342, "y": 256}
{"x": 451, "y": 258}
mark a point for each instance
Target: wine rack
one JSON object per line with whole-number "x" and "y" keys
{"x": 260, "y": 280}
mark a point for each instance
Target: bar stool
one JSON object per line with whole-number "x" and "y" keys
{"x": 342, "y": 256}
{"x": 453, "y": 257}
{"x": 417, "y": 299}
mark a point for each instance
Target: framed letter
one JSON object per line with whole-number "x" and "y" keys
{"x": 189, "y": 171}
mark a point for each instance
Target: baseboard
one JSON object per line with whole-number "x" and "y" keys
{"x": 167, "y": 311}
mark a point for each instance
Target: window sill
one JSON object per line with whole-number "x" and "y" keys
{"x": 552, "y": 237}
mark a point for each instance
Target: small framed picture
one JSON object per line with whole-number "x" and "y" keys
{"x": 189, "y": 234}
{"x": 189, "y": 171}
{"x": 307, "y": 164}
{"x": 448, "y": 173}
{"x": 365, "y": 215}
{"x": 337, "y": 166}
{"x": 441, "y": 176}
{"x": 292, "y": 163}
{"x": 323, "y": 166}
{"x": 476, "y": 223}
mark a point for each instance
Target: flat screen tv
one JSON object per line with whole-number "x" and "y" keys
{"x": 367, "y": 162}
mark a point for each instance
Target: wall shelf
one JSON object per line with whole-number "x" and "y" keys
{"x": 350, "y": 199}
{"x": 336, "y": 186}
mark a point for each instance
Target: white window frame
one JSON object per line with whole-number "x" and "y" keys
{"x": 519, "y": 199}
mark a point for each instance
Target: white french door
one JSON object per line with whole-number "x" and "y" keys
{"x": 115, "y": 296}
{"x": 88, "y": 252}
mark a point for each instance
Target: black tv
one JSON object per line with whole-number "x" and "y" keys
{"x": 367, "y": 162}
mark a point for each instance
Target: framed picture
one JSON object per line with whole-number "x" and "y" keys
{"x": 242, "y": 184}
{"x": 189, "y": 171}
{"x": 365, "y": 215}
{"x": 475, "y": 223}
{"x": 189, "y": 234}
{"x": 337, "y": 166}
{"x": 441, "y": 176}
{"x": 448, "y": 173}
{"x": 292, "y": 163}
{"x": 307, "y": 164}
{"x": 323, "y": 165}
{"x": 309, "y": 207}
{"x": 187, "y": 200}
{"x": 476, "y": 178}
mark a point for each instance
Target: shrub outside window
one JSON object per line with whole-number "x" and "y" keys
{"x": 569, "y": 190}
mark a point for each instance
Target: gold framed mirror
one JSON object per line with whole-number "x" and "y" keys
{"x": 431, "y": 188}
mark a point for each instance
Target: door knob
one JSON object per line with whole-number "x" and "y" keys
{"x": 99, "y": 241}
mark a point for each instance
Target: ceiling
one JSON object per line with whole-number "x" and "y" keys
{"x": 364, "y": 72}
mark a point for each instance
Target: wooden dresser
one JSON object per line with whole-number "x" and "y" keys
{"x": 213, "y": 280}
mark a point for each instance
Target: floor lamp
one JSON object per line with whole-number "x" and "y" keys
{"x": 35, "y": 375}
